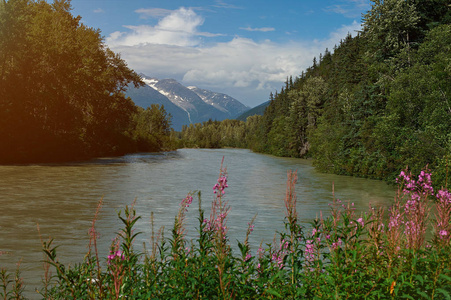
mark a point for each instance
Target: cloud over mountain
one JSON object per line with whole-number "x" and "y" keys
{"x": 176, "y": 47}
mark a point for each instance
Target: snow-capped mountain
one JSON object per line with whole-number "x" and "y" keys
{"x": 146, "y": 96}
{"x": 222, "y": 102}
{"x": 186, "y": 105}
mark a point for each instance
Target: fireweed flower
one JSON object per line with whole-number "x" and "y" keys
{"x": 415, "y": 208}
{"x": 277, "y": 258}
{"x": 251, "y": 227}
{"x": 115, "y": 254}
{"x": 221, "y": 185}
{"x": 259, "y": 266}
{"x": 220, "y": 210}
{"x": 360, "y": 221}
{"x": 285, "y": 245}
{"x": 310, "y": 251}
{"x": 248, "y": 256}
{"x": 396, "y": 218}
{"x": 187, "y": 201}
{"x": 443, "y": 216}
{"x": 260, "y": 252}
{"x": 337, "y": 244}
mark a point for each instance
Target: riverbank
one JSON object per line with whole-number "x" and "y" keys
{"x": 344, "y": 255}
{"x": 62, "y": 198}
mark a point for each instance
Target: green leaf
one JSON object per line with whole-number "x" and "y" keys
{"x": 444, "y": 293}
{"x": 273, "y": 292}
{"x": 423, "y": 294}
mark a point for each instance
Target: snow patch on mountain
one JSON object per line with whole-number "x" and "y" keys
{"x": 187, "y": 104}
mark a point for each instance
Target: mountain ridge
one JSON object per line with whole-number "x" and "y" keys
{"x": 187, "y": 105}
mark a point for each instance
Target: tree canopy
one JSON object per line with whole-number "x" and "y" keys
{"x": 378, "y": 103}
{"x": 61, "y": 88}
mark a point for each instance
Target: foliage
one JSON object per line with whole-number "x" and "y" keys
{"x": 343, "y": 256}
{"x": 379, "y": 102}
{"x": 153, "y": 129}
{"x": 214, "y": 134}
{"x": 61, "y": 88}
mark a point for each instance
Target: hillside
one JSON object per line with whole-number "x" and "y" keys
{"x": 375, "y": 104}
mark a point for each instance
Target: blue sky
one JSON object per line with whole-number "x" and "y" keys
{"x": 242, "y": 48}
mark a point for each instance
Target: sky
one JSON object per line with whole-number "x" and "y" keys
{"x": 245, "y": 48}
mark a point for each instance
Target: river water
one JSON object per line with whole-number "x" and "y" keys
{"x": 62, "y": 199}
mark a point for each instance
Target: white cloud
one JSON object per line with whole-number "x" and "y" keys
{"x": 179, "y": 28}
{"x": 342, "y": 32}
{"x": 99, "y": 11}
{"x": 246, "y": 69}
{"x": 153, "y": 12}
{"x": 262, "y": 29}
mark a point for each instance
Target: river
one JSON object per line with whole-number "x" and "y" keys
{"x": 62, "y": 199}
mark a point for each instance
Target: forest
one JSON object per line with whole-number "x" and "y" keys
{"x": 376, "y": 103}
{"x": 62, "y": 90}
{"x": 379, "y": 102}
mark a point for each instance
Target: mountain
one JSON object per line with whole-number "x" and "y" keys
{"x": 145, "y": 96}
{"x": 258, "y": 110}
{"x": 186, "y": 105}
{"x": 228, "y": 105}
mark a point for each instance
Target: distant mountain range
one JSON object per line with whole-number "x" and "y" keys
{"x": 185, "y": 104}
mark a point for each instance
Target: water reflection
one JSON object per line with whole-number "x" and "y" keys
{"x": 62, "y": 198}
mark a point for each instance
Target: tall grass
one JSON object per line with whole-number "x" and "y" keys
{"x": 403, "y": 253}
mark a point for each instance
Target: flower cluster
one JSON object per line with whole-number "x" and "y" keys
{"x": 415, "y": 208}
{"x": 395, "y": 219}
{"x": 218, "y": 224}
{"x": 443, "y": 216}
{"x": 336, "y": 244}
{"x": 220, "y": 210}
{"x": 444, "y": 195}
{"x": 360, "y": 221}
{"x": 221, "y": 185}
{"x": 186, "y": 201}
{"x": 116, "y": 254}
{"x": 423, "y": 185}
{"x": 251, "y": 227}
{"x": 310, "y": 250}
{"x": 278, "y": 256}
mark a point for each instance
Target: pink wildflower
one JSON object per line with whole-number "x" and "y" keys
{"x": 248, "y": 256}
{"x": 360, "y": 221}
{"x": 337, "y": 244}
{"x": 310, "y": 250}
{"x": 443, "y": 233}
{"x": 113, "y": 256}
